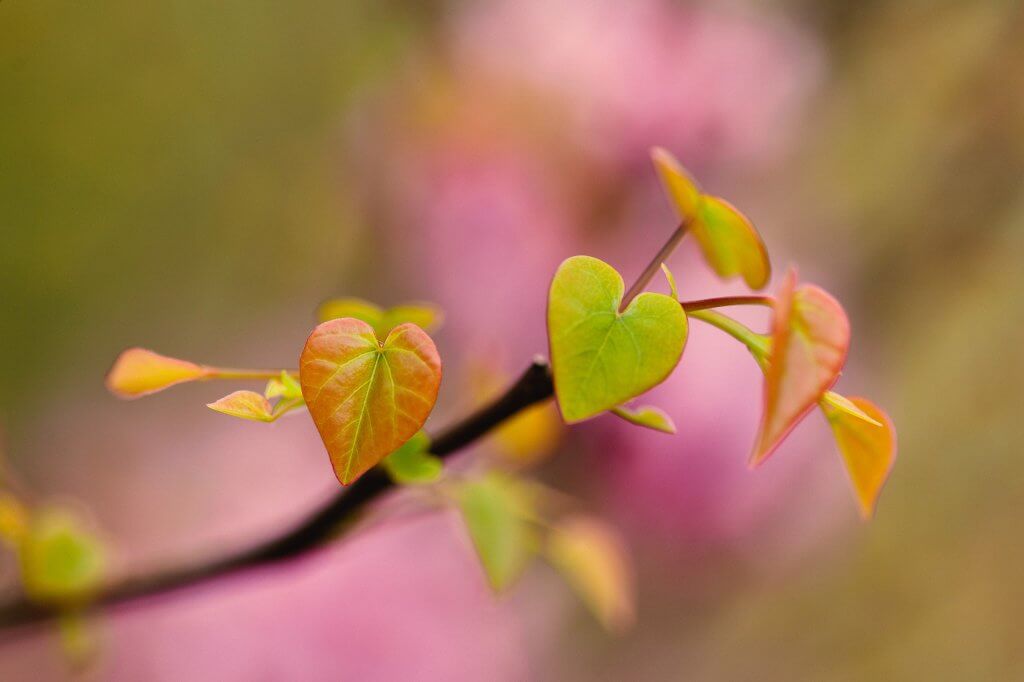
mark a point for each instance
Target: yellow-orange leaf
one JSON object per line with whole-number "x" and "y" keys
{"x": 868, "y": 450}
{"x": 138, "y": 372}
{"x": 592, "y": 559}
{"x": 367, "y": 398}
{"x": 245, "y": 405}
{"x": 810, "y": 338}
{"x": 729, "y": 241}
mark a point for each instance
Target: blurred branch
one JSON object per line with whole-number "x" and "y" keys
{"x": 535, "y": 385}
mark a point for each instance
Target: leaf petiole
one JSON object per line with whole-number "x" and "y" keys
{"x": 758, "y": 344}
{"x": 237, "y": 374}
{"x": 724, "y": 301}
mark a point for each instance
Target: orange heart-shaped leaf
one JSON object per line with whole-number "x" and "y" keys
{"x": 868, "y": 450}
{"x": 367, "y": 398}
{"x": 138, "y": 372}
{"x": 810, "y": 338}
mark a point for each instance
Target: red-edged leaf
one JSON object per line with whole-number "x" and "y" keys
{"x": 245, "y": 405}
{"x": 868, "y": 450}
{"x": 810, "y": 337}
{"x": 367, "y": 398}
{"x": 138, "y": 372}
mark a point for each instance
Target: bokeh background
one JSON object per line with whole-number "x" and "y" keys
{"x": 196, "y": 177}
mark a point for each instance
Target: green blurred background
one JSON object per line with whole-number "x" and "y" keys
{"x": 176, "y": 175}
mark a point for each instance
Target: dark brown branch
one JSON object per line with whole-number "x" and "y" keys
{"x": 533, "y": 386}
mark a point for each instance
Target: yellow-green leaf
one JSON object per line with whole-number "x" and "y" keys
{"x": 412, "y": 463}
{"x": 600, "y": 357}
{"x": 245, "y": 405}
{"x": 61, "y": 561}
{"x": 285, "y": 386}
{"x": 426, "y": 316}
{"x": 592, "y": 558}
{"x": 138, "y": 372}
{"x": 835, "y": 401}
{"x": 495, "y": 516}
{"x": 810, "y": 338}
{"x": 673, "y": 290}
{"x": 647, "y": 416}
{"x": 868, "y": 450}
{"x": 367, "y": 398}
{"x": 727, "y": 238}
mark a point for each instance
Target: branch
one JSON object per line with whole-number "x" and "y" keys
{"x": 534, "y": 386}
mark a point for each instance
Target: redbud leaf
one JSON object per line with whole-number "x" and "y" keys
{"x": 602, "y": 358}
{"x": 868, "y": 450}
{"x": 835, "y": 401}
{"x": 810, "y": 338}
{"x": 730, "y": 243}
{"x": 412, "y": 463}
{"x": 526, "y": 438}
{"x": 367, "y": 398}
{"x": 285, "y": 386}
{"x": 245, "y": 405}
{"x": 138, "y": 372}
{"x": 646, "y": 416}
{"x": 14, "y": 519}
{"x": 495, "y": 513}
{"x": 61, "y": 561}
{"x": 426, "y": 316}
{"x": 592, "y": 558}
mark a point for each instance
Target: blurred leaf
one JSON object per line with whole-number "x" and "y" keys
{"x": 727, "y": 238}
{"x": 810, "y": 338}
{"x": 78, "y": 639}
{"x": 495, "y": 511}
{"x": 602, "y": 358}
{"x": 286, "y": 386}
{"x": 673, "y": 290}
{"x": 61, "y": 561}
{"x": 646, "y": 416}
{"x": 367, "y": 398}
{"x": 13, "y": 519}
{"x": 424, "y": 315}
{"x": 592, "y": 558}
{"x": 835, "y": 401}
{"x": 245, "y": 405}
{"x": 412, "y": 463}
{"x": 868, "y": 450}
{"x": 138, "y": 372}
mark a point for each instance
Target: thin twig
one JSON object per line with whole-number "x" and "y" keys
{"x": 724, "y": 301}
{"x": 652, "y": 268}
{"x": 532, "y": 387}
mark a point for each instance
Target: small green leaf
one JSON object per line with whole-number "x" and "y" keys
{"x": 285, "y": 386}
{"x": 592, "y": 558}
{"x": 138, "y": 372}
{"x": 61, "y": 562}
{"x": 412, "y": 463}
{"x": 833, "y": 400}
{"x": 602, "y": 358}
{"x": 673, "y": 290}
{"x": 245, "y": 405}
{"x": 367, "y": 398}
{"x": 727, "y": 238}
{"x": 495, "y": 513}
{"x": 426, "y": 316}
{"x": 646, "y": 416}
{"x": 868, "y": 451}
{"x": 810, "y": 338}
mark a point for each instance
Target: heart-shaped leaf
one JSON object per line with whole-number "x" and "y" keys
{"x": 495, "y": 511}
{"x": 61, "y": 561}
{"x": 367, "y": 398}
{"x": 647, "y": 416}
{"x": 868, "y": 450}
{"x": 727, "y": 238}
{"x": 592, "y": 558}
{"x": 426, "y": 316}
{"x": 810, "y": 338}
{"x": 602, "y": 358}
{"x": 138, "y": 372}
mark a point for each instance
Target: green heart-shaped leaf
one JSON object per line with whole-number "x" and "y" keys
{"x": 412, "y": 464}
{"x": 868, "y": 449}
{"x": 367, "y": 398}
{"x": 600, "y": 357}
{"x": 810, "y": 338}
{"x": 727, "y": 238}
{"x": 495, "y": 509}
